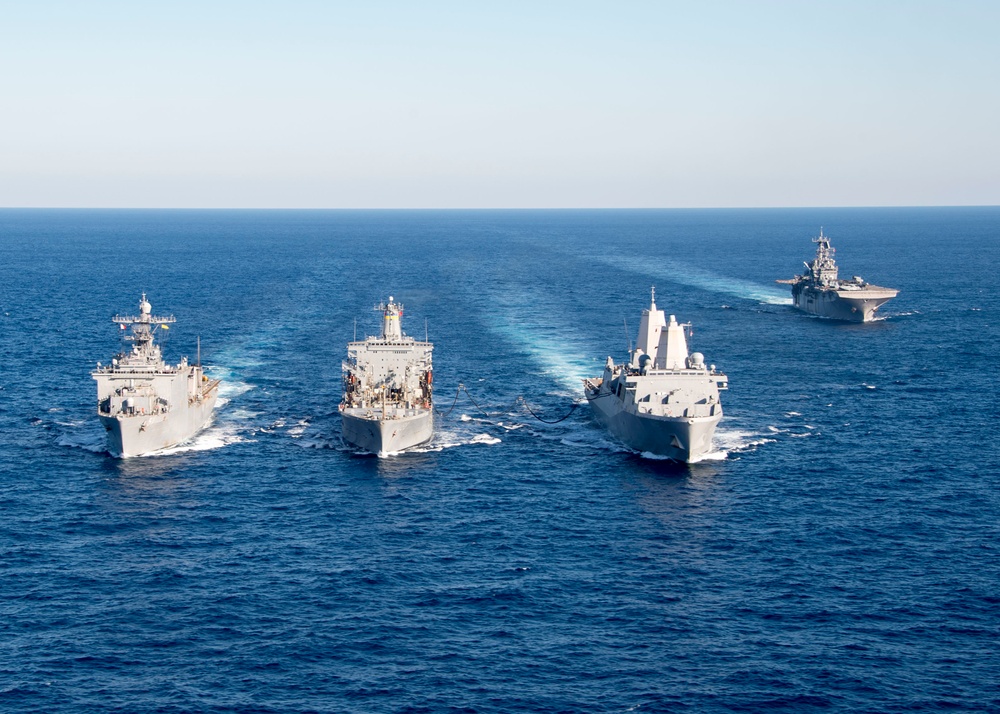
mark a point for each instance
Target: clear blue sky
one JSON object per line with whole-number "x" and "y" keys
{"x": 502, "y": 104}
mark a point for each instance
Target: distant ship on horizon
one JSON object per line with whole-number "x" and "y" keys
{"x": 820, "y": 292}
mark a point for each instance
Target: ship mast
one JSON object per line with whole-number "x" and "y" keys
{"x": 391, "y": 312}
{"x": 142, "y": 328}
{"x": 824, "y": 267}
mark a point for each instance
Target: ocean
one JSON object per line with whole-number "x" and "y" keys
{"x": 839, "y": 551}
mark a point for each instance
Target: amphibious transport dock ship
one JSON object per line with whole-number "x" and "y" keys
{"x": 820, "y": 292}
{"x": 388, "y": 381}
{"x": 663, "y": 401}
{"x": 145, "y": 404}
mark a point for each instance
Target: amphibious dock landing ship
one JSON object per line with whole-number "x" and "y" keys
{"x": 821, "y": 292}
{"x": 663, "y": 401}
{"x": 388, "y": 382}
{"x": 145, "y": 404}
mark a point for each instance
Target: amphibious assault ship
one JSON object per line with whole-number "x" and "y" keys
{"x": 820, "y": 292}
{"x": 663, "y": 401}
{"x": 388, "y": 381}
{"x": 145, "y": 404}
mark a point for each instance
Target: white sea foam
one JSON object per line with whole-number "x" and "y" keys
{"x": 712, "y": 456}
{"x": 241, "y": 415}
{"x": 214, "y": 437}
{"x": 443, "y": 439}
{"x": 496, "y": 421}
{"x": 789, "y": 432}
{"x": 73, "y": 423}
{"x": 447, "y": 440}
{"x": 231, "y": 385}
{"x": 509, "y": 426}
{"x": 94, "y": 439}
{"x": 733, "y": 440}
{"x": 650, "y": 456}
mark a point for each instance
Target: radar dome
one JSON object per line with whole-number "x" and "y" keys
{"x": 697, "y": 359}
{"x": 145, "y": 308}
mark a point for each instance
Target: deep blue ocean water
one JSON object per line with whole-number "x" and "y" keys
{"x": 839, "y": 553}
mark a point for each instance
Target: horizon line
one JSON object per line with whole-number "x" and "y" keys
{"x": 487, "y": 208}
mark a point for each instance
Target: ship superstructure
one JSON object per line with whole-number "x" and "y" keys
{"x": 388, "y": 384}
{"x": 663, "y": 400}
{"x": 145, "y": 404}
{"x": 821, "y": 292}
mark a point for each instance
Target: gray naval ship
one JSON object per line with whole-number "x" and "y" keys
{"x": 821, "y": 292}
{"x": 664, "y": 401}
{"x": 145, "y": 404}
{"x": 388, "y": 381}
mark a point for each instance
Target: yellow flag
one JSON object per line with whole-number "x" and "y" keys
{"x": 164, "y": 327}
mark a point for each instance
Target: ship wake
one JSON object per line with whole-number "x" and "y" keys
{"x": 672, "y": 271}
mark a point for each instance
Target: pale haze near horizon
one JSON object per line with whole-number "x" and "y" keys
{"x": 474, "y": 105}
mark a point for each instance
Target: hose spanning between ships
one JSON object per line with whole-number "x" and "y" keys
{"x": 520, "y": 401}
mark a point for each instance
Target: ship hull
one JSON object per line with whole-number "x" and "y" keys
{"x": 367, "y": 430}
{"x": 135, "y": 435}
{"x": 687, "y": 439}
{"x": 846, "y": 305}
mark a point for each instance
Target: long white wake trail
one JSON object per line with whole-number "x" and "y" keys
{"x": 672, "y": 271}
{"x": 553, "y": 348}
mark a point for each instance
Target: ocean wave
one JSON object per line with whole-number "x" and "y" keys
{"x": 92, "y": 440}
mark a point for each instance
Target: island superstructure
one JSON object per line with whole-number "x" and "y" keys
{"x": 388, "y": 384}
{"x": 145, "y": 404}
{"x": 820, "y": 292}
{"x": 663, "y": 400}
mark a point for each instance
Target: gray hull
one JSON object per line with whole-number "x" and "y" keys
{"x": 142, "y": 434}
{"x": 681, "y": 438}
{"x": 820, "y": 291}
{"x": 851, "y": 306}
{"x": 365, "y": 429}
